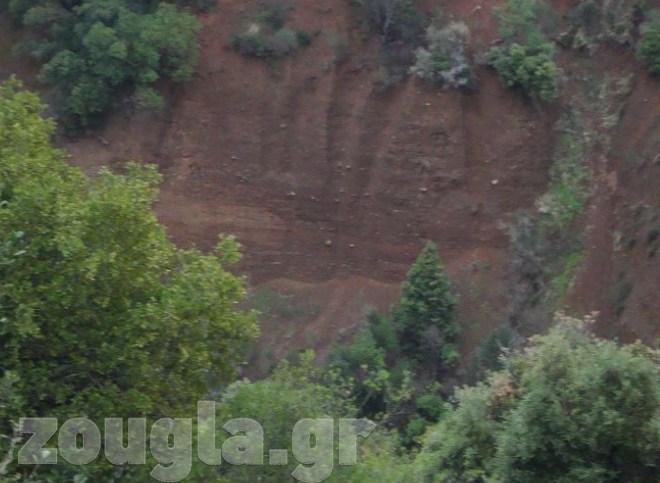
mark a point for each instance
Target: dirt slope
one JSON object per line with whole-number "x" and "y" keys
{"x": 323, "y": 175}
{"x": 333, "y": 183}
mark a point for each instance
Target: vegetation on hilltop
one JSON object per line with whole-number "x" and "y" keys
{"x": 95, "y": 52}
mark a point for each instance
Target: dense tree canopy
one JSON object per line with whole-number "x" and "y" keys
{"x": 100, "y": 314}
{"x": 569, "y": 408}
{"x": 95, "y": 50}
{"x": 280, "y": 400}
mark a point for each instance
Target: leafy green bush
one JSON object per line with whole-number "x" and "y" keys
{"x": 293, "y": 392}
{"x": 445, "y": 61}
{"x": 383, "y": 331}
{"x": 268, "y": 36}
{"x": 363, "y": 364}
{"x": 488, "y": 356}
{"x": 95, "y": 50}
{"x": 530, "y": 67}
{"x": 526, "y": 58}
{"x": 648, "y": 49}
{"x": 431, "y": 406}
{"x": 570, "y": 408}
{"x": 524, "y": 21}
{"x": 278, "y": 402}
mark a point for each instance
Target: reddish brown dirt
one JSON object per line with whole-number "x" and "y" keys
{"x": 332, "y": 184}
{"x": 620, "y": 276}
{"x": 327, "y": 178}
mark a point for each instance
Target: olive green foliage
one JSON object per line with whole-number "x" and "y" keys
{"x": 530, "y": 67}
{"x": 290, "y": 393}
{"x": 95, "y": 50}
{"x": 363, "y": 364}
{"x": 268, "y": 36}
{"x": 568, "y": 408}
{"x": 100, "y": 313}
{"x": 424, "y": 317}
{"x": 526, "y": 58}
{"x": 380, "y": 459}
{"x": 392, "y": 365}
{"x": 648, "y": 49}
{"x": 383, "y": 332}
{"x": 445, "y": 60}
{"x": 488, "y": 355}
{"x": 523, "y": 21}
{"x": 384, "y": 390}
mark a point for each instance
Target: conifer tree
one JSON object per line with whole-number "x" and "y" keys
{"x": 424, "y": 317}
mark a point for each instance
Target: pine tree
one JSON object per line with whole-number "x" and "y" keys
{"x": 424, "y": 317}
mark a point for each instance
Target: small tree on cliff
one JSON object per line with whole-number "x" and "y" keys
{"x": 424, "y": 318}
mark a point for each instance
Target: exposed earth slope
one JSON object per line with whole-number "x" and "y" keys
{"x": 333, "y": 182}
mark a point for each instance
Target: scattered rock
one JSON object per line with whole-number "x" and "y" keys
{"x": 423, "y": 190}
{"x": 328, "y": 243}
{"x": 291, "y": 194}
{"x": 495, "y": 182}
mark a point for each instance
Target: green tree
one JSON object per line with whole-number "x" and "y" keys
{"x": 95, "y": 49}
{"x": 363, "y": 364}
{"x": 292, "y": 392}
{"x": 100, "y": 313}
{"x": 424, "y": 317}
{"x": 571, "y": 407}
{"x": 526, "y": 58}
{"x": 530, "y": 67}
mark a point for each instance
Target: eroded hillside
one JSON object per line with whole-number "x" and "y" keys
{"x": 332, "y": 181}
